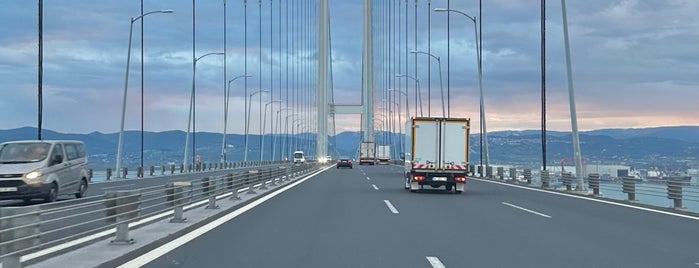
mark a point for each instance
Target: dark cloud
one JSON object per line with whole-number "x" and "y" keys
{"x": 629, "y": 57}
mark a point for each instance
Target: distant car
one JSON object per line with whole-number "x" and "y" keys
{"x": 344, "y": 162}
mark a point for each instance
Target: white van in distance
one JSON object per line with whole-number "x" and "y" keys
{"x": 299, "y": 158}
{"x": 43, "y": 169}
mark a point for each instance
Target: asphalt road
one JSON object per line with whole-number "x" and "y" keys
{"x": 363, "y": 217}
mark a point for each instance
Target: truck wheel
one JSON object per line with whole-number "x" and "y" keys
{"x": 448, "y": 186}
{"x": 459, "y": 192}
{"x": 407, "y": 184}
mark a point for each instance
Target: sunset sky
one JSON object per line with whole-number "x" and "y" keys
{"x": 635, "y": 62}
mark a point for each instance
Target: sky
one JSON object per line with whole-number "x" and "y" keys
{"x": 635, "y": 63}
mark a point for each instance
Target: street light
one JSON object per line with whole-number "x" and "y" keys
{"x": 417, "y": 91}
{"x": 225, "y": 115}
{"x": 484, "y": 132}
{"x": 440, "y": 79}
{"x": 126, "y": 85}
{"x": 247, "y": 123}
{"x": 192, "y": 111}
{"x": 264, "y": 124}
{"x": 407, "y": 107}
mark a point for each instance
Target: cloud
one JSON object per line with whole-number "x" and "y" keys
{"x": 634, "y": 61}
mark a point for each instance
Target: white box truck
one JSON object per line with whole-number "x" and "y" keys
{"x": 383, "y": 154}
{"x": 367, "y": 152}
{"x": 436, "y": 153}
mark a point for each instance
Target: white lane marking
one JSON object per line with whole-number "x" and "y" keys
{"x": 367, "y": 178}
{"x": 527, "y": 210}
{"x": 435, "y": 262}
{"x": 595, "y": 200}
{"x": 118, "y": 186}
{"x": 375, "y": 188}
{"x": 391, "y": 207}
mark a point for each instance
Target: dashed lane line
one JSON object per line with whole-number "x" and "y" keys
{"x": 375, "y": 188}
{"x": 391, "y": 207}
{"x": 435, "y": 262}
{"x": 527, "y": 210}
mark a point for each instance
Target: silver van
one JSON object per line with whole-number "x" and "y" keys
{"x": 43, "y": 169}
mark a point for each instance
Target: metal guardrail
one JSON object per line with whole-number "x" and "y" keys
{"x": 676, "y": 191}
{"x": 24, "y": 230}
{"x": 171, "y": 169}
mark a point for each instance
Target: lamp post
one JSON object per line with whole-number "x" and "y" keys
{"x": 264, "y": 124}
{"x": 126, "y": 86}
{"x": 484, "y": 132}
{"x": 225, "y": 115}
{"x": 417, "y": 89}
{"x": 247, "y": 123}
{"x": 192, "y": 111}
{"x": 440, "y": 79}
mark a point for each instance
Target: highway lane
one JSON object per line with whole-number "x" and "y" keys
{"x": 343, "y": 218}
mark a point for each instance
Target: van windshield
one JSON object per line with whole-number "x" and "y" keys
{"x": 298, "y": 155}
{"x": 24, "y": 152}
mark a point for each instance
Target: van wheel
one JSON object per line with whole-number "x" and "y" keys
{"x": 52, "y": 195}
{"x": 82, "y": 190}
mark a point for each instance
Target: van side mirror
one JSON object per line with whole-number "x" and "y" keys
{"x": 57, "y": 159}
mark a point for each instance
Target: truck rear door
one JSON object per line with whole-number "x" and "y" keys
{"x": 454, "y": 145}
{"x": 425, "y": 143}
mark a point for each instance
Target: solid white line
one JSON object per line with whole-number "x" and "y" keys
{"x": 593, "y": 199}
{"x": 527, "y": 210}
{"x": 375, "y": 188}
{"x": 435, "y": 262}
{"x": 367, "y": 178}
{"x": 118, "y": 186}
{"x": 391, "y": 207}
{"x": 170, "y": 246}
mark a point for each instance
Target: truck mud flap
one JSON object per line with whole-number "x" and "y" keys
{"x": 414, "y": 186}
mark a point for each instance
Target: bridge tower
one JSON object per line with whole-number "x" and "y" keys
{"x": 326, "y": 109}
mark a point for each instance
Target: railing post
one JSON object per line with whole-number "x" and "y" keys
{"x": 489, "y": 172}
{"x": 545, "y": 179}
{"x": 230, "y": 178}
{"x": 629, "y": 187}
{"x": 527, "y": 175}
{"x": 109, "y": 174}
{"x": 208, "y": 187}
{"x": 593, "y": 182}
{"x": 122, "y": 208}
{"x": 265, "y": 175}
{"x": 139, "y": 172}
{"x": 250, "y": 180}
{"x": 20, "y": 224}
{"x": 152, "y": 171}
{"x": 513, "y": 174}
{"x": 674, "y": 192}
{"x": 501, "y": 173}
{"x": 567, "y": 178}
{"x": 125, "y": 171}
{"x": 175, "y": 196}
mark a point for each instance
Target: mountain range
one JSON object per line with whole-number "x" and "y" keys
{"x": 668, "y": 148}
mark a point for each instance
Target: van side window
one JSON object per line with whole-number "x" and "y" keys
{"x": 81, "y": 150}
{"x": 57, "y": 150}
{"x": 71, "y": 152}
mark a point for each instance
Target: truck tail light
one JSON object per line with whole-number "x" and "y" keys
{"x": 419, "y": 178}
{"x": 460, "y": 179}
